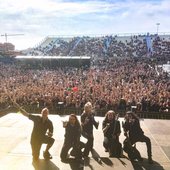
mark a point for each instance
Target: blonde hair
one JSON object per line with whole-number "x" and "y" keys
{"x": 87, "y": 105}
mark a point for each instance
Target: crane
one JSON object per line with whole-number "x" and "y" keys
{"x": 6, "y": 35}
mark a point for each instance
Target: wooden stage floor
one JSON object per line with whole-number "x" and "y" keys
{"x": 15, "y": 150}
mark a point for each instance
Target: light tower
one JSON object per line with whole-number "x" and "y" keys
{"x": 157, "y": 27}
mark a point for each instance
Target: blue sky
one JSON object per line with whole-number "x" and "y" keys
{"x": 38, "y": 18}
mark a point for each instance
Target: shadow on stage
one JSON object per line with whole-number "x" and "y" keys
{"x": 100, "y": 160}
{"x": 44, "y": 165}
{"x": 144, "y": 165}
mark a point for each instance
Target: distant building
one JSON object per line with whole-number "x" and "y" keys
{"x": 7, "y": 47}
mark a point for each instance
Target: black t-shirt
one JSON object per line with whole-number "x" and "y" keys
{"x": 113, "y": 129}
{"x": 88, "y": 128}
{"x": 135, "y": 131}
{"x": 40, "y": 128}
{"x": 72, "y": 133}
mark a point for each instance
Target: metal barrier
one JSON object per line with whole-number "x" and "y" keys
{"x": 61, "y": 110}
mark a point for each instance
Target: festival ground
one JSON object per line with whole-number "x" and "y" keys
{"x": 15, "y": 150}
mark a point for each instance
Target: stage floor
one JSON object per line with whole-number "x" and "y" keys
{"x": 15, "y": 149}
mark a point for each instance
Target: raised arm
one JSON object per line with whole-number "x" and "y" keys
{"x": 15, "y": 104}
{"x": 25, "y": 113}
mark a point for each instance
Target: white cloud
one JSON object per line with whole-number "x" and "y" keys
{"x": 39, "y": 18}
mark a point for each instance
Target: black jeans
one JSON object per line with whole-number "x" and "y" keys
{"x": 111, "y": 145}
{"x": 89, "y": 143}
{"x": 76, "y": 149}
{"x": 36, "y": 145}
{"x": 145, "y": 139}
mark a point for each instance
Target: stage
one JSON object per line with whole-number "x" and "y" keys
{"x": 15, "y": 149}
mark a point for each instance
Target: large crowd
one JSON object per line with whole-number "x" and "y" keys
{"x": 110, "y": 83}
{"x": 96, "y": 46}
{"x": 107, "y": 46}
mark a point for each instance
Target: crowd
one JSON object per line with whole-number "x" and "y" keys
{"x": 94, "y": 46}
{"x": 107, "y": 46}
{"x": 115, "y": 84}
{"x": 123, "y": 73}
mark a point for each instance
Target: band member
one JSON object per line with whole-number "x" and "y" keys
{"x": 72, "y": 138}
{"x": 111, "y": 130}
{"x": 87, "y": 122}
{"x": 42, "y": 132}
{"x": 133, "y": 130}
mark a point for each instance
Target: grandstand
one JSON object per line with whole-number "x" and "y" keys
{"x": 102, "y": 46}
{"x": 119, "y": 37}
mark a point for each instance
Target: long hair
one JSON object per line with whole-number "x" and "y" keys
{"x": 77, "y": 123}
{"x": 134, "y": 116}
{"x": 107, "y": 113}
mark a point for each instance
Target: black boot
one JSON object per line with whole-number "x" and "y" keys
{"x": 47, "y": 155}
{"x": 150, "y": 161}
